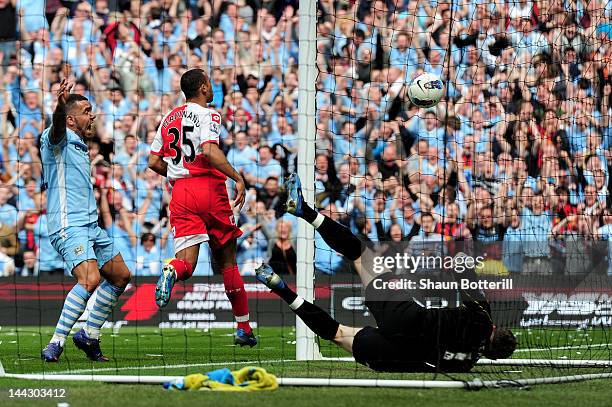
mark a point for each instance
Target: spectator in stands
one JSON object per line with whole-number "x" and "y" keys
{"x": 148, "y": 256}
{"x": 264, "y": 168}
{"x": 537, "y": 230}
{"x": 270, "y": 196}
{"x": 7, "y": 263}
{"x": 327, "y": 261}
{"x": 30, "y": 264}
{"x": 8, "y": 30}
{"x": 282, "y": 254}
{"x": 252, "y": 249}
{"x": 513, "y": 243}
{"x": 241, "y": 155}
{"x": 8, "y": 212}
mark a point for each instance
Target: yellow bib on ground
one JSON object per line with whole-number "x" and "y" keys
{"x": 246, "y": 379}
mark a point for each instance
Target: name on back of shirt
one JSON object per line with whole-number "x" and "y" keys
{"x": 187, "y": 114}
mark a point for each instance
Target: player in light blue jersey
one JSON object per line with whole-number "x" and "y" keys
{"x": 73, "y": 227}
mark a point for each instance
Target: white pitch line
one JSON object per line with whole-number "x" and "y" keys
{"x": 114, "y": 369}
{"x": 580, "y": 347}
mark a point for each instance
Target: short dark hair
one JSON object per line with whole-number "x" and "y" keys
{"x": 146, "y": 236}
{"x": 427, "y": 215}
{"x": 562, "y": 190}
{"x": 266, "y": 147}
{"x": 502, "y": 345}
{"x": 192, "y": 81}
{"x": 73, "y": 99}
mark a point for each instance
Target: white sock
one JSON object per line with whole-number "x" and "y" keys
{"x": 58, "y": 339}
{"x": 297, "y": 303}
{"x": 318, "y": 221}
{"x": 242, "y": 318}
{"x": 93, "y": 333}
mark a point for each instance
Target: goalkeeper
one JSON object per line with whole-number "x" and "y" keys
{"x": 408, "y": 337}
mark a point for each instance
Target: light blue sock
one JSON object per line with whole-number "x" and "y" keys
{"x": 74, "y": 305}
{"x": 106, "y": 298}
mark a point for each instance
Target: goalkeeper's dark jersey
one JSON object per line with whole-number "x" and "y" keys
{"x": 460, "y": 335}
{"x": 410, "y": 337}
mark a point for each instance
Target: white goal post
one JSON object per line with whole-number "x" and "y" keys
{"x": 306, "y": 346}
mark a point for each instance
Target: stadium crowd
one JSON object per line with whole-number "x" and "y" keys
{"x": 518, "y": 152}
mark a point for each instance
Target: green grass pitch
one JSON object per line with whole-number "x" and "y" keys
{"x": 149, "y": 351}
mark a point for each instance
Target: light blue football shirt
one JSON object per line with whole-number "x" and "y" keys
{"x": 66, "y": 169}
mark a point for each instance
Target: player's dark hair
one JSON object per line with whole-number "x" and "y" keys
{"x": 73, "y": 99}
{"x": 192, "y": 81}
{"x": 502, "y": 345}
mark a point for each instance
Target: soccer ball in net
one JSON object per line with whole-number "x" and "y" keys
{"x": 426, "y": 90}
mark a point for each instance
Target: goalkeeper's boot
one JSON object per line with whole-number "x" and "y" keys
{"x": 293, "y": 187}
{"x": 90, "y": 346}
{"x": 52, "y": 352}
{"x": 243, "y": 338}
{"x": 163, "y": 289}
{"x": 265, "y": 275}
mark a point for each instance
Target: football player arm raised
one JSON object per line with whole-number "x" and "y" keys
{"x": 217, "y": 160}
{"x": 58, "y": 129}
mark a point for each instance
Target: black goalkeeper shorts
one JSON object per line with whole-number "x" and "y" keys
{"x": 374, "y": 350}
{"x": 395, "y": 345}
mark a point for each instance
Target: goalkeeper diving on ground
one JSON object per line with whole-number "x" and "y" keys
{"x": 408, "y": 337}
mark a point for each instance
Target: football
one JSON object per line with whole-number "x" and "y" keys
{"x": 426, "y": 90}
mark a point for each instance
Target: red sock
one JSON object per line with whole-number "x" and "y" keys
{"x": 234, "y": 289}
{"x": 183, "y": 268}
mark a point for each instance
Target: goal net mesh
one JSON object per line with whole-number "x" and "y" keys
{"x": 511, "y": 168}
{"x": 504, "y": 167}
